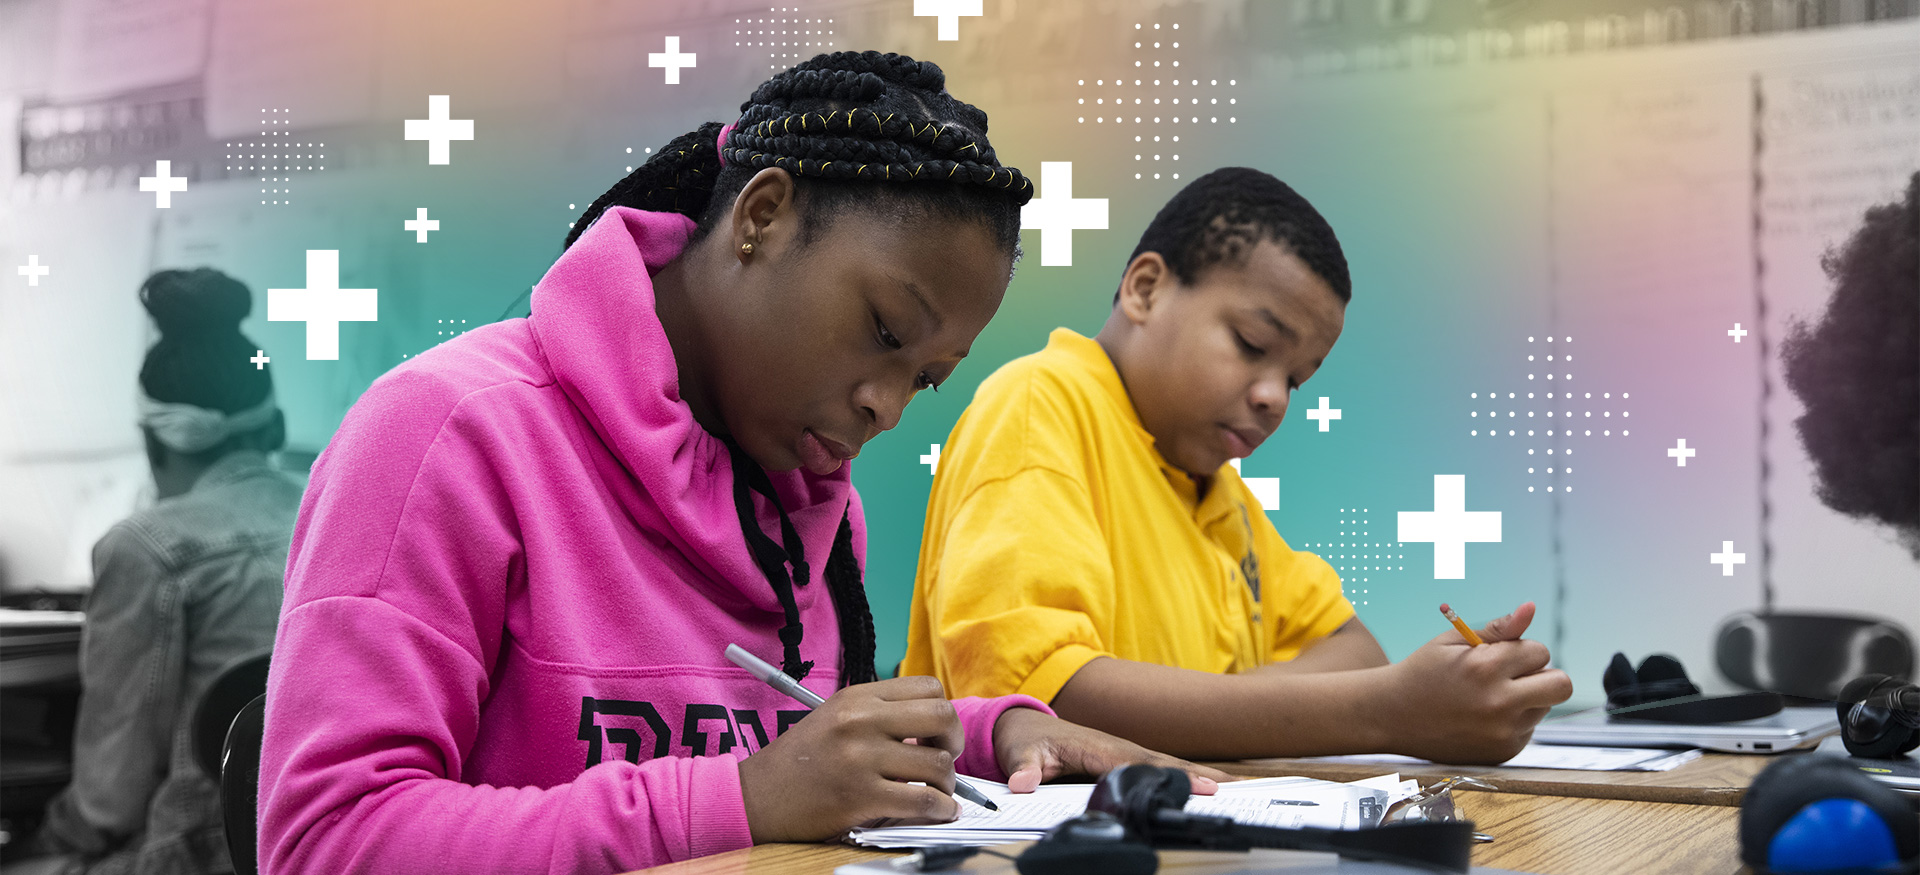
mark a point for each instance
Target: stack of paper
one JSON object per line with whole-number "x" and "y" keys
{"x": 1281, "y": 802}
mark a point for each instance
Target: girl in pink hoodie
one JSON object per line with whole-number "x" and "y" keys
{"x": 520, "y": 559}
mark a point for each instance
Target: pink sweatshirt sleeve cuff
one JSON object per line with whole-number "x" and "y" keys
{"x": 717, "y": 812}
{"x": 978, "y": 716}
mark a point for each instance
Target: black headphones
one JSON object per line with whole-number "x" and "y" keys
{"x": 1659, "y": 691}
{"x": 1137, "y": 808}
{"x": 1817, "y": 813}
{"x": 1879, "y": 716}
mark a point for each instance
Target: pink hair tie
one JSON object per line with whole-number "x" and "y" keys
{"x": 720, "y": 142}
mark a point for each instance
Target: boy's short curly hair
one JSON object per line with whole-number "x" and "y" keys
{"x": 1219, "y": 218}
{"x": 1857, "y": 370}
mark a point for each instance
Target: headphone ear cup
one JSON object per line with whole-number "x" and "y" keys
{"x": 1869, "y": 731}
{"x": 1095, "y": 843}
{"x": 1868, "y": 726}
{"x": 1662, "y": 677}
{"x": 1817, "y": 812}
{"x": 1659, "y": 677}
{"x": 1661, "y": 667}
{"x": 1619, "y": 675}
{"x": 1858, "y": 689}
{"x": 1904, "y": 700}
{"x": 1172, "y": 790}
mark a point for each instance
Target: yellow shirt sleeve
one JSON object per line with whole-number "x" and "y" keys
{"x": 1302, "y": 600}
{"x": 1030, "y": 600}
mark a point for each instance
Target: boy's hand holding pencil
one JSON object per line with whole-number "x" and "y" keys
{"x": 1474, "y": 696}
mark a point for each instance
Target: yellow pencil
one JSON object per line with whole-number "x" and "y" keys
{"x": 1472, "y": 639}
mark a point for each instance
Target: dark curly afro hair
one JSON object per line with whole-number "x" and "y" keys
{"x": 1857, "y": 369}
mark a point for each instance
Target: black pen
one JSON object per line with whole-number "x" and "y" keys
{"x": 779, "y": 680}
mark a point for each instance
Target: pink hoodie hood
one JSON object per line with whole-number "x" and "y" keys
{"x": 515, "y": 570}
{"x": 610, "y": 355}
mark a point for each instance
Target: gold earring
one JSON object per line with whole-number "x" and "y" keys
{"x": 746, "y": 249}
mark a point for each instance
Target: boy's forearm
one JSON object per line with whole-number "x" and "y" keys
{"x": 1351, "y": 646}
{"x": 1199, "y": 715}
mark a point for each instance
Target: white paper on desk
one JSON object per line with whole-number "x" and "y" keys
{"x": 1280, "y": 802}
{"x": 1561, "y": 756}
{"x": 1391, "y": 784}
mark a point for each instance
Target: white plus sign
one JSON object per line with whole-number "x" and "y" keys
{"x": 673, "y": 59}
{"x": 1449, "y": 526}
{"x": 420, "y": 225}
{"x": 1736, "y": 332}
{"x": 439, "y": 129}
{"x": 163, "y": 184}
{"x": 1324, "y": 414}
{"x": 949, "y": 12}
{"x": 1266, "y": 490}
{"x": 1726, "y": 558}
{"x": 1683, "y": 452}
{"x": 931, "y": 459}
{"x": 1059, "y": 214}
{"x": 33, "y": 270}
{"x": 260, "y": 360}
{"x": 323, "y": 305}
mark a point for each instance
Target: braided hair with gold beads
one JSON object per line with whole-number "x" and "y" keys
{"x": 865, "y": 131}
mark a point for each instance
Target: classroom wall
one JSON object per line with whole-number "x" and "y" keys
{"x": 1484, "y": 195}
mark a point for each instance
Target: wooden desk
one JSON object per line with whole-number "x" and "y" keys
{"x": 1550, "y": 835}
{"x": 1713, "y": 779}
{"x": 1570, "y": 835}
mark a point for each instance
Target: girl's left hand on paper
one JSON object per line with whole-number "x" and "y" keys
{"x": 1032, "y": 746}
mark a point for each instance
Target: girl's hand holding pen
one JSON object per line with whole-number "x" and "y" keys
{"x": 849, "y": 762}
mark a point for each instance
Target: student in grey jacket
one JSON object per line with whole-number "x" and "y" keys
{"x": 181, "y": 590}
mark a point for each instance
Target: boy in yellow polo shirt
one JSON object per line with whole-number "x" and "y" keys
{"x": 1088, "y": 544}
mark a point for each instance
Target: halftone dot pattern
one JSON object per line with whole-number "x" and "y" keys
{"x": 274, "y": 155}
{"x": 1572, "y": 418}
{"x": 1157, "y": 92}
{"x": 641, "y": 156}
{"x": 1356, "y": 558}
{"x": 787, "y": 39}
{"x": 444, "y": 330}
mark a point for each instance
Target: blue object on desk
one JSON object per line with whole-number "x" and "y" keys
{"x": 1833, "y": 834}
{"x": 1819, "y": 814}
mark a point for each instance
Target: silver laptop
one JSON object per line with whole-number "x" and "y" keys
{"x": 1791, "y": 729}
